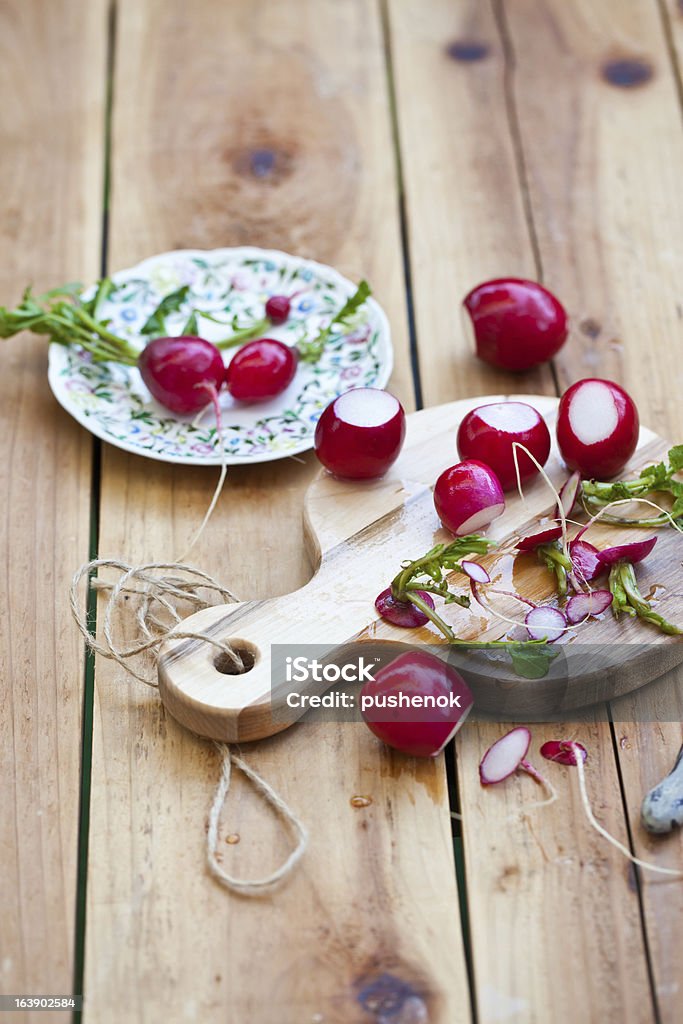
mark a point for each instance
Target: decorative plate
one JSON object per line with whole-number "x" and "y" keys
{"x": 112, "y": 402}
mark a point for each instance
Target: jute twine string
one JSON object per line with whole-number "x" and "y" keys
{"x": 156, "y": 588}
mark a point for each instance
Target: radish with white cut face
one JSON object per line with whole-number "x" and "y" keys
{"x": 545, "y": 623}
{"x": 475, "y": 571}
{"x": 581, "y": 606}
{"x": 468, "y": 497}
{"x": 597, "y": 427}
{"x": 504, "y": 757}
{"x": 360, "y": 434}
{"x": 489, "y": 432}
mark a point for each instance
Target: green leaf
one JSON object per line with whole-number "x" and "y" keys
{"x": 532, "y": 661}
{"x": 155, "y": 325}
{"x": 676, "y": 458}
{"x": 310, "y": 351}
{"x": 191, "y": 328}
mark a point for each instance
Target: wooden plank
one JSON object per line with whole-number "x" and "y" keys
{"x": 266, "y": 123}
{"x": 536, "y": 875}
{"x": 52, "y": 75}
{"x": 607, "y": 221}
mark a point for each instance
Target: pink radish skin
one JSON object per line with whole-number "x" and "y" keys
{"x": 632, "y": 553}
{"x": 360, "y": 434}
{"x": 184, "y": 374}
{"x": 581, "y": 606}
{"x": 533, "y": 541}
{"x": 488, "y": 433}
{"x": 468, "y": 497}
{"x": 545, "y": 623}
{"x": 597, "y": 427}
{"x": 584, "y": 557}
{"x": 475, "y": 571}
{"x": 516, "y": 323}
{"x": 504, "y": 757}
{"x": 569, "y": 492}
{"x": 414, "y": 730}
{"x": 402, "y": 613}
{"x": 563, "y": 751}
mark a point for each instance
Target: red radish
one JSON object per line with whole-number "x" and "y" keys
{"x": 505, "y": 756}
{"x": 476, "y": 572}
{"x": 581, "y": 606}
{"x": 260, "y": 370}
{"x": 563, "y": 751}
{"x": 632, "y": 553}
{"x": 277, "y": 309}
{"x": 416, "y": 703}
{"x": 468, "y": 497}
{"x": 360, "y": 434}
{"x": 597, "y": 427}
{"x": 517, "y": 324}
{"x": 488, "y": 432}
{"x": 534, "y": 540}
{"x": 545, "y": 623}
{"x": 184, "y": 373}
{"x": 585, "y": 561}
{"x": 569, "y": 492}
{"x": 402, "y": 613}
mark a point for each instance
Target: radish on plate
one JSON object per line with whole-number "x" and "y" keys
{"x": 488, "y": 432}
{"x": 260, "y": 370}
{"x": 416, "y": 703}
{"x": 468, "y": 497}
{"x": 360, "y": 434}
{"x": 516, "y": 323}
{"x": 597, "y": 427}
{"x": 184, "y": 374}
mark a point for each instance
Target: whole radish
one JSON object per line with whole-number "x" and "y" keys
{"x": 360, "y": 434}
{"x": 516, "y": 323}
{"x": 416, "y": 704}
{"x": 184, "y": 373}
{"x": 260, "y": 370}
{"x": 597, "y": 427}
{"x": 488, "y": 432}
{"x": 468, "y": 497}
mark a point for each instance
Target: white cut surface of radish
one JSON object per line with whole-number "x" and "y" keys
{"x": 475, "y": 571}
{"x": 593, "y": 414}
{"x": 505, "y": 756}
{"x": 480, "y": 520}
{"x": 545, "y": 623}
{"x": 510, "y": 417}
{"x": 361, "y": 409}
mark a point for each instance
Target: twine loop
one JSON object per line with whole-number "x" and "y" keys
{"x": 156, "y": 590}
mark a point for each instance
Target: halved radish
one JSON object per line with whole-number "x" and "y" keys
{"x": 360, "y": 434}
{"x": 581, "y": 606}
{"x": 402, "y": 613}
{"x": 533, "y": 540}
{"x": 504, "y": 757}
{"x": 632, "y": 553}
{"x": 563, "y": 751}
{"x": 545, "y": 623}
{"x": 475, "y": 571}
{"x": 489, "y": 432}
{"x": 468, "y": 497}
{"x": 597, "y": 427}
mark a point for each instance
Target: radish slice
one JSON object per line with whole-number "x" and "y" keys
{"x": 531, "y": 542}
{"x": 563, "y": 751}
{"x": 633, "y": 553}
{"x": 545, "y": 623}
{"x": 475, "y": 571}
{"x": 585, "y": 559}
{"x": 569, "y": 492}
{"x": 581, "y": 606}
{"x": 402, "y": 613}
{"x": 504, "y": 757}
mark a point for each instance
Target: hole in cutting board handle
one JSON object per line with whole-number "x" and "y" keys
{"x": 248, "y": 652}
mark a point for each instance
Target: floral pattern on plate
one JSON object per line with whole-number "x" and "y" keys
{"x": 112, "y": 402}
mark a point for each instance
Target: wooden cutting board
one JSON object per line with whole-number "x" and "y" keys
{"x": 359, "y": 532}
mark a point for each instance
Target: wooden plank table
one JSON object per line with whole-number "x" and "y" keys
{"x": 425, "y": 146}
